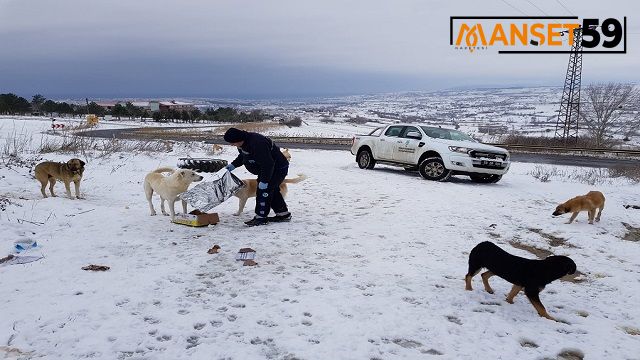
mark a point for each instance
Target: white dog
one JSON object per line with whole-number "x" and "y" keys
{"x": 168, "y": 187}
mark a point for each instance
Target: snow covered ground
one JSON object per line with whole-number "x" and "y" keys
{"x": 370, "y": 267}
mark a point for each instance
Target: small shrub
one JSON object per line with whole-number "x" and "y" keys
{"x": 17, "y": 143}
{"x": 359, "y": 120}
{"x": 543, "y": 173}
{"x": 591, "y": 176}
{"x": 629, "y": 171}
{"x": 294, "y": 122}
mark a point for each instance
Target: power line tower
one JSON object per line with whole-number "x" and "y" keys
{"x": 569, "y": 114}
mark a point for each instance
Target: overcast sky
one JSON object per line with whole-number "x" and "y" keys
{"x": 276, "y": 48}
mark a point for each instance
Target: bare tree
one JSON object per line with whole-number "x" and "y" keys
{"x": 607, "y": 111}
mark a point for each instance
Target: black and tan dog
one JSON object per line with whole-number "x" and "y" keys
{"x": 50, "y": 171}
{"x": 592, "y": 201}
{"x": 530, "y": 275}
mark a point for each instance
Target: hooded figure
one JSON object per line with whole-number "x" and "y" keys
{"x": 263, "y": 158}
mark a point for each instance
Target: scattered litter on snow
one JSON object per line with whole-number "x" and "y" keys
{"x": 93, "y": 267}
{"x": 21, "y": 259}
{"x": 214, "y": 250}
{"x": 245, "y": 254}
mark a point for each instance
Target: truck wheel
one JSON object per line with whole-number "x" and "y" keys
{"x": 433, "y": 169}
{"x": 365, "y": 159}
{"x": 485, "y": 178}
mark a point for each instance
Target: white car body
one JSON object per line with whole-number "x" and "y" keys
{"x": 408, "y": 145}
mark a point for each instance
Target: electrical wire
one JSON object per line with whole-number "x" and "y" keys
{"x": 513, "y": 7}
{"x": 536, "y": 6}
{"x": 561, "y": 4}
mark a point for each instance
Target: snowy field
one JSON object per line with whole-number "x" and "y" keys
{"x": 371, "y": 267}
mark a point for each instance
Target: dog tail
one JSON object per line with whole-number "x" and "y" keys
{"x": 296, "y": 180}
{"x": 163, "y": 170}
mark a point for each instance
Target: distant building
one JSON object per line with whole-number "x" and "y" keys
{"x": 107, "y": 105}
{"x": 164, "y": 106}
{"x": 146, "y": 105}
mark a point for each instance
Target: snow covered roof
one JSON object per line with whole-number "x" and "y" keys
{"x": 174, "y": 103}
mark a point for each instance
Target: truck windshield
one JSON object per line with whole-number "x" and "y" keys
{"x": 447, "y": 134}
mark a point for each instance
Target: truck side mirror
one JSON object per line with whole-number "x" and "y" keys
{"x": 414, "y": 135}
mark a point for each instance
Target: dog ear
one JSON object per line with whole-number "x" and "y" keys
{"x": 82, "y": 163}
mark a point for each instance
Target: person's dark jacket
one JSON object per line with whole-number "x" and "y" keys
{"x": 260, "y": 156}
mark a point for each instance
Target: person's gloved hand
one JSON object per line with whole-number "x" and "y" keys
{"x": 262, "y": 185}
{"x": 230, "y": 167}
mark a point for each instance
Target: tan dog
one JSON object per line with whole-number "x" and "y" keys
{"x": 251, "y": 187}
{"x": 594, "y": 200}
{"x": 49, "y": 172}
{"x": 286, "y": 154}
{"x": 216, "y": 149}
{"x": 169, "y": 187}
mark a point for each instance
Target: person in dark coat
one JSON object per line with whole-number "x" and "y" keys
{"x": 260, "y": 156}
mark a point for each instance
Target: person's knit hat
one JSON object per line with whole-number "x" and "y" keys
{"x": 234, "y": 135}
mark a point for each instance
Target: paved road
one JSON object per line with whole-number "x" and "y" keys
{"x": 552, "y": 159}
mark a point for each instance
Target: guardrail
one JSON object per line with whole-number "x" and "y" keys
{"x": 559, "y": 149}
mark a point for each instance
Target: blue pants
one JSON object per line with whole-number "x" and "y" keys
{"x": 271, "y": 198}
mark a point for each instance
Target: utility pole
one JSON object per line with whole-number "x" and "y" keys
{"x": 569, "y": 114}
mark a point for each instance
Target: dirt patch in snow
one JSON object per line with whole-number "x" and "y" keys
{"x": 633, "y": 233}
{"x": 554, "y": 241}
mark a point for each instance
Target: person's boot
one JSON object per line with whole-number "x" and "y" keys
{"x": 256, "y": 221}
{"x": 284, "y": 217}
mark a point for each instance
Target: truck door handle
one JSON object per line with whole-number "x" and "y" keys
{"x": 381, "y": 139}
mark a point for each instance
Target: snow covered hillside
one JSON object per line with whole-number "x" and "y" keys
{"x": 371, "y": 266}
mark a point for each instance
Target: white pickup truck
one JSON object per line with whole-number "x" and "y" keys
{"x": 437, "y": 153}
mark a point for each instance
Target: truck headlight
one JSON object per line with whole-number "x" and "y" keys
{"x": 458, "y": 149}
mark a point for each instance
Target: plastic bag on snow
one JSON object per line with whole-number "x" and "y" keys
{"x": 209, "y": 194}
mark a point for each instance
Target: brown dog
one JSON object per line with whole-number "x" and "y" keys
{"x": 594, "y": 200}
{"x": 251, "y": 187}
{"x": 49, "y": 172}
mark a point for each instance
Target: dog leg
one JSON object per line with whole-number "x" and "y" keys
{"x": 599, "y": 213}
{"x": 184, "y": 207}
{"x": 67, "y": 185}
{"x": 512, "y": 294}
{"x": 467, "y": 280}
{"x": 43, "y": 188}
{"x": 534, "y": 296}
{"x": 148, "y": 191}
{"x": 485, "y": 280}
{"x": 164, "y": 212}
{"x": 77, "y": 185}
{"x": 573, "y": 217}
{"x": 172, "y": 208}
{"x": 52, "y": 183}
{"x": 241, "y": 203}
